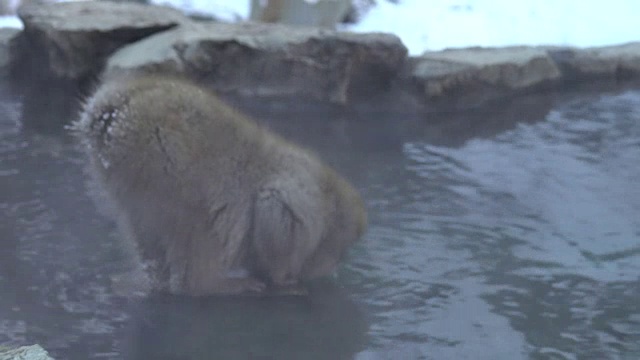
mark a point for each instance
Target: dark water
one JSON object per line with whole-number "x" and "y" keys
{"x": 512, "y": 233}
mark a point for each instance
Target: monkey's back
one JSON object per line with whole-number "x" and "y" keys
{"x": 168, "y": 153}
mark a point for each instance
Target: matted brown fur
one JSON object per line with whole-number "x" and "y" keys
{"x": 213, "y": 203}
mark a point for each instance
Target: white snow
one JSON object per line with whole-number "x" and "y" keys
{"x": 10, "y": 22}
{"x": 228, "y": 10}
{"x": 437, "y": 24}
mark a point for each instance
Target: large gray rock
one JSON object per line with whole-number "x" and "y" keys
{"x": 72, "y": 40}
{"x": 609, "y": 62}
{"x": 481, "y": 73}
{"x": 6, "y": 35}
{"x": 33, "y": 352}
{"x": 270, "y": 60}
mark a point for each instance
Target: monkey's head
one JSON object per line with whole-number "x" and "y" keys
{"x": 346, "y": 224}
{"x": 350, "y": 205}
{"x": 355, "y": 211}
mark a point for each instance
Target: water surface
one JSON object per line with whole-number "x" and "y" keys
{"x": 504, "y": 233}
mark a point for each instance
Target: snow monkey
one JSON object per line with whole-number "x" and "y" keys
{"x": 212, "y": 202}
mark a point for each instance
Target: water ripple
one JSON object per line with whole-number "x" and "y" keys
{"x": 523, "y": 244}
{"x": 541, "y": 223}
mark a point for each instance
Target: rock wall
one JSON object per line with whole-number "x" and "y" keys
{"x": 6, "y": 36}
{"x": 77, "y": 41}
{"x": 73, "y": 40}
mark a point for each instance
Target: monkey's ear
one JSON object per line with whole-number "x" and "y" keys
{"x": 281, "y": 239}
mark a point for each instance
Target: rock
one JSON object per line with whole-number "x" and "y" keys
{"x": 6, "y": 36}
{"x": 610, "y": 62}
{"x": 72, "y": 40}
{"x": 33, "y": 352}
{"x": 481, "y": 74}
{"x": 270, "y": 60}
{"x": 439, "y": 77}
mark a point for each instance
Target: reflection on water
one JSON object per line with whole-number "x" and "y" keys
{"x": 326, "y": 325}
{"x": 517, "y": 239}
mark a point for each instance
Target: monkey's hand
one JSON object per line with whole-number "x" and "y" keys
{"x": 240, "y": 282}
{"x": 288, "y": 290}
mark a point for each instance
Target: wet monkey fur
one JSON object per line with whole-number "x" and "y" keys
{"x": 211, "y": 202}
